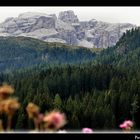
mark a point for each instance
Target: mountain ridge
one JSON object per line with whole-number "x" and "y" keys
{"x": 125, "y": 53}
{"x": 23, "y": 52}
{"x": 66, "y": 28}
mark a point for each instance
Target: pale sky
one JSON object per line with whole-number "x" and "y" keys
{"x": 107, "y": 14}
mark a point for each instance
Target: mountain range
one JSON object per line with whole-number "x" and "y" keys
{"x": 66, "y": 28}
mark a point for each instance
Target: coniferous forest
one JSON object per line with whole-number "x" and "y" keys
{"x": 99, "y": 90}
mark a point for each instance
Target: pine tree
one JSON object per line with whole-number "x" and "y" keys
{"x": 135, "y": 107}
{"x": 57, "y": 102}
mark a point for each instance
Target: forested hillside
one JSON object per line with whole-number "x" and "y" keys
{"x": 125, "y": 53}
{"x": 23, "y": 52}
{"x": 102, "y": 94}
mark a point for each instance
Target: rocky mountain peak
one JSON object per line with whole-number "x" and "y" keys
{"x": 68, "y": 16}
{"x": 66, "y": 28}
{"x": 31, "y": 15}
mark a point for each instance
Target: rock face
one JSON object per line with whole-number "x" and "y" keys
{"x": 68, "y": 16}
{"x": 65, "y": 29}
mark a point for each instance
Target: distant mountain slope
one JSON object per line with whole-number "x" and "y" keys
{"x": 23, "y": 52}
{"x": 125, "y": 53}
{"x": 66, "y": 28}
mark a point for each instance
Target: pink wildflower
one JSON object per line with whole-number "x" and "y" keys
{"x": 55, "y": 120}
{"x": 123, "y": 126}
{"x": 87, "y": 130}
{"x": 126, "y": 124}
{"x": 129, "y": 123}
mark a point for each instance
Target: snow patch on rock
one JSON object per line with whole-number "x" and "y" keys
{"x": 55, "y": 40}
{"x": 85, "y": 43}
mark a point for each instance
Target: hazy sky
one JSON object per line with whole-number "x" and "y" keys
{"x": 108, "y": 14}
